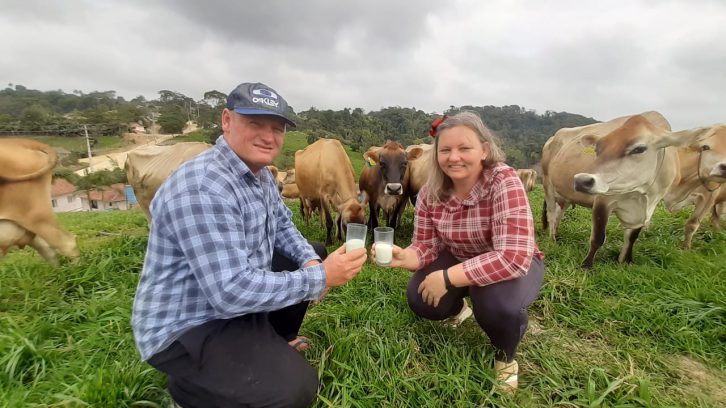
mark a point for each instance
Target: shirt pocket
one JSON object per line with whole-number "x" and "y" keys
{"x": 255, "y": 217}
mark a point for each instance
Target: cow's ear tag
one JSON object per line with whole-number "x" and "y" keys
{"x": 589, "y": 150}
{"x": 370, "y": 162}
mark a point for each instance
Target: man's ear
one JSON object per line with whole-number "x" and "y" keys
{"x": 226, "y": 120}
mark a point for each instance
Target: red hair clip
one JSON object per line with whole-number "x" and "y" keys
{"x": 435, "y": 125}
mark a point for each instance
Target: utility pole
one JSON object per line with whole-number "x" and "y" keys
{"x": 88, "y": 144}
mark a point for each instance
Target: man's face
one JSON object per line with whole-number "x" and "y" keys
{"x": 256, "y": 139}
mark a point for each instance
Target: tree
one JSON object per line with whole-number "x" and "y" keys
{"x": 172, "y": 119}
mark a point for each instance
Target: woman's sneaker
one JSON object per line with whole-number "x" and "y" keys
{"x": 507, "y": 375}
{"x": 463, "y": 314}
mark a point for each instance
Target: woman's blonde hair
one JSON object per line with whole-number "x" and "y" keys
{"x": 439, "y": 184}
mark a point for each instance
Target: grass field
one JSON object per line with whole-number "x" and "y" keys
{"x": 78, "y": 144}
{"x": 651, "y": 334}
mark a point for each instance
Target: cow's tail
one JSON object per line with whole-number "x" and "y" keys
{"x": 50, "y": 164}
{"x": 545, "y": 224}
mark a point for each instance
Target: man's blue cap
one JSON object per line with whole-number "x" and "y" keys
{"x": 258, "y": 99}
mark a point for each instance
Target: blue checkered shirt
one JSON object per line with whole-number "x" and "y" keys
{"x": 214, "y": 229}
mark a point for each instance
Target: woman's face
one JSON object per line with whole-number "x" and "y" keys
{"x": 460, "y": 153}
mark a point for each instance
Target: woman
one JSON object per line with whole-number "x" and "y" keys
{"x": 474, "y": 236}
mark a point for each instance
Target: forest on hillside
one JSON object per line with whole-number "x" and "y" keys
{"x": 24, "y": 111}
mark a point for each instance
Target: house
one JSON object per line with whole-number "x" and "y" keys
{"x": 109, "y": 198}
{"x": 65, "y": 197}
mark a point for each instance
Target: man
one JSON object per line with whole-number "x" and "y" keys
{"x": 227, "y": 277}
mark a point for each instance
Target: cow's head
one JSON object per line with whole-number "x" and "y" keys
{"x": 629, "y": 158}
{"x": 711, "y": 149}
{"x": 392, "y": 163}
{"x": 352, "y": 210}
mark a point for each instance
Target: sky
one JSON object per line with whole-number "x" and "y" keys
{"x": 597, "y": 59}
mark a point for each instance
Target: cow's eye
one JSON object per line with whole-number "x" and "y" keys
{"x": 639, "y": 150}
{"x": 705, "y": 147}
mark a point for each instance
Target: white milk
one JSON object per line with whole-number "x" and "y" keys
{"x": 353, "y": 244}
{"x": 384, "y": 253}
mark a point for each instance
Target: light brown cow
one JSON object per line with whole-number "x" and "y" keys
{"x": 289, "y": 187}
{"x": 385, "y": 180}
{"x": 148, "y": 167}
{"x": 26, "y": 214}
{"x": 718, "y": 210}
{"x": 419, "y": 167}
{"x": 703, "y": 171}
{"x": 528, "y": 177}
{"x": 624, "y": 166}
{"x": 324, "y": 173}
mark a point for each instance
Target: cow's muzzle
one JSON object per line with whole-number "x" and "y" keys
{"x": 588, "y": 184}
{"x": 393, "y": 189}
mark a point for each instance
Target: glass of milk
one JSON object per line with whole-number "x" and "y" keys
{"x": 355, "y": 236}
{"x": 383, "y": 241}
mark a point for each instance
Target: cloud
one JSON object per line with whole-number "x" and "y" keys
{"x": 601, "y": 60}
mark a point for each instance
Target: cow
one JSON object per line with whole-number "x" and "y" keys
{"x": 528, "y": 177}
{"x": 148, "y": 167}
{"x": 324, "y": 175}
{"x": 289, "y": 187}
{"x": 26, "y": 214}
{"x": 624, "y": 166}
{"x": 719, "y": 208}
{"x": 702, "y": 174}
{"x": 419, "y": 165}
{"x": 385, "y": 180}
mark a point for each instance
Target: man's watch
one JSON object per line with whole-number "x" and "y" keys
{"x": 447, "y": 282}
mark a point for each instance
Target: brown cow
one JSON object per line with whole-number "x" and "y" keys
{"x": 624, "y": 166}
{"x": 385, "y": 181}
{"x": 703, "y": 171}
{"x": 148, "y": 167}
{"x": 528, "y": 177}
{"x": 324, "y": 174}
{"x": 26, "y": 214}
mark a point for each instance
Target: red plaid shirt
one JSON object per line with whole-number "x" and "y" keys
{"x": 491, "y": 231}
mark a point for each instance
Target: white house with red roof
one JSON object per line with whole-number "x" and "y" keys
{"x": 110, "y": 198}
{"x": 65, "y": 197}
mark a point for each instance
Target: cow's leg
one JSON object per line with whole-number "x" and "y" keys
{"x": 556, "y": 214}
{"x": 303, "y": 212}
{"x": 398, "y": 212}
{"x": 373, "y": 217}
{"x": 629, "y": 237}
{"x": 703, "y": 204}
{"x": 325, "y": 211}
{"x": 44, "y": 250}
{"x": 597, "y": 235}
{"x": 545, "y": 224}
{"x": 716, "y": 213}
{"x": 339, "y": 226}
{"x": 59, "y": 240}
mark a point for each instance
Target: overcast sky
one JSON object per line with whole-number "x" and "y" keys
{"x": 606, "y": 60}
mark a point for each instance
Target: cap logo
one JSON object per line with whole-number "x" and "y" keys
{"x": 265, "y": 96}
{"x": 265, "y": 93}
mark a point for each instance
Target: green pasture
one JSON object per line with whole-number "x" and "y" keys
{"x": 650, "y": 334}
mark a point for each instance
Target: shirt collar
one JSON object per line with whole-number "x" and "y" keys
{"x": 235, "y": 163}
{"x": 477, "y": 192}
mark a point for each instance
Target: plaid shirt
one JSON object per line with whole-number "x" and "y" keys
{"x": 214, "y": 229}
{"x": 491, "y": 231}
